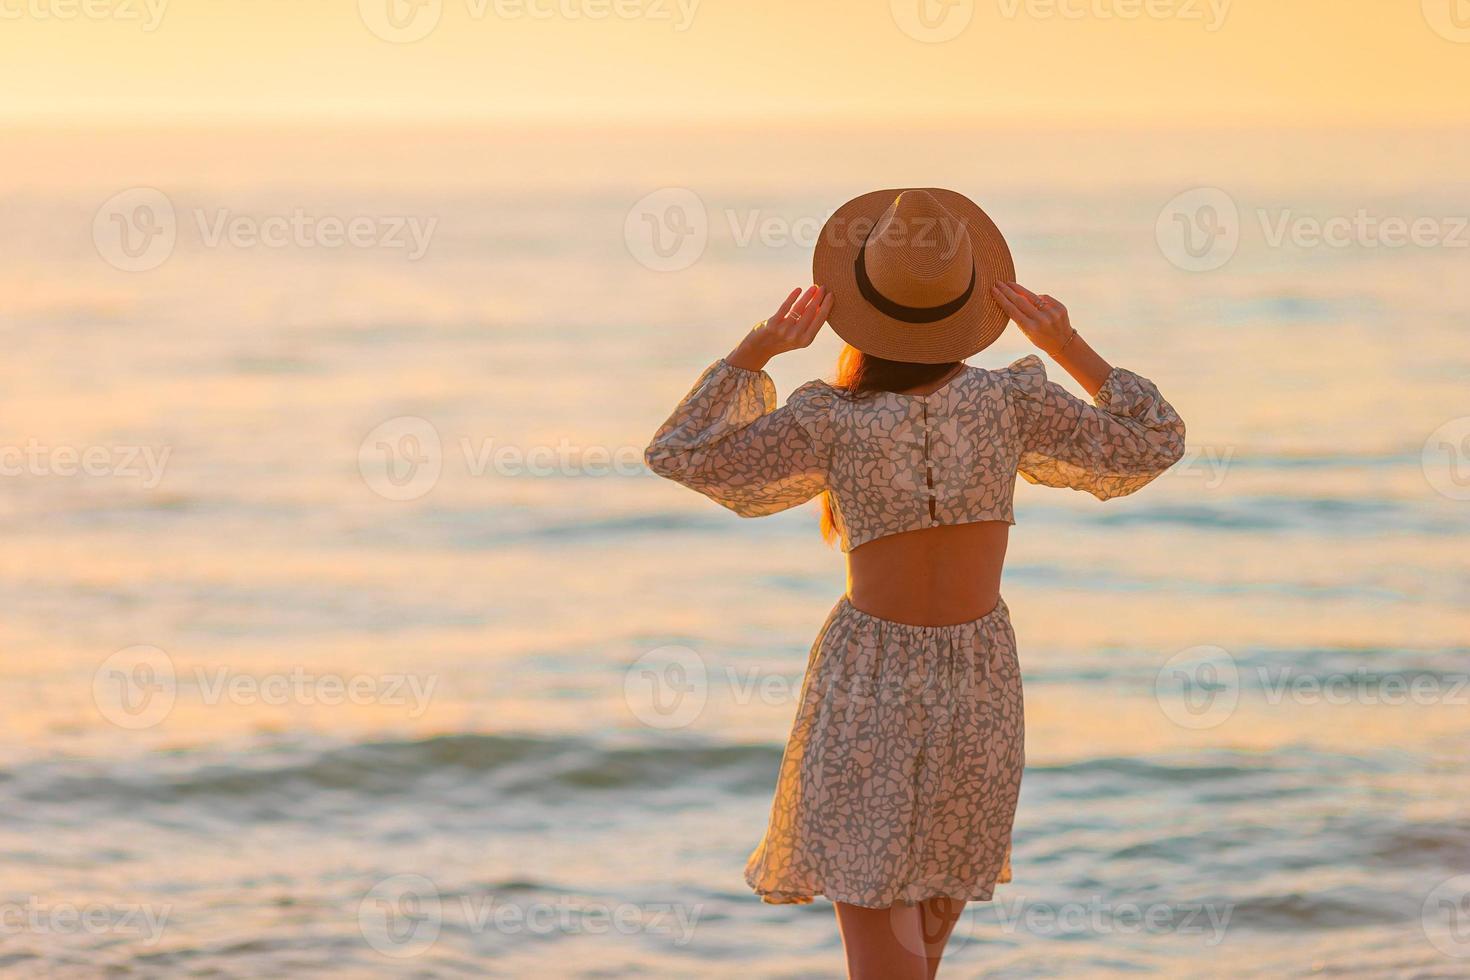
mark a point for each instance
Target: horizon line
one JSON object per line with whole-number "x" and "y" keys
{"x": 54, "y": 121}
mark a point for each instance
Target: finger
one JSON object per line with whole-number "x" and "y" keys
{"x": 1022, "y": 319}
{"x": 1010, "y": 301}
{"x": 812, "y": 310}
{"x": 811, "y": 307}
{"x": 819, "y": 318}
{"x": 1025, "y": 292}
{"x": 812, "y": 300}
{"x": 786, "y": 306}
{"x": 805, "y": 301}
{"x": 1007, "y": 305}
{"x": 1023, "y": 300}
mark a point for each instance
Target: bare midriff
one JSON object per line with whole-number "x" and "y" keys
{"x": 937, "y": 576}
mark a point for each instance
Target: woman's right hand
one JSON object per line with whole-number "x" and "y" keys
{"x": 793, "y": 326}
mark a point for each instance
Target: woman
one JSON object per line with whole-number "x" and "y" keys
{"x": 898, "y": 787}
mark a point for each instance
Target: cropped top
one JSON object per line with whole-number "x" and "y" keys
{"x": 893, "y": 462}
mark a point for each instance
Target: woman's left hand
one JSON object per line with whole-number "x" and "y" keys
{"x": 793, "y": 326}
{"x": 1046, "y": 322}
{"x": 1043, "y": 319}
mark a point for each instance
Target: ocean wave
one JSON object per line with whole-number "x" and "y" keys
{"x": 504, "y": 766}
{"x": 1288, "y": 514}
{"x": 484, "y": 767}
{"x": 545, "y": 768}
{"x": 1337, "y": 908}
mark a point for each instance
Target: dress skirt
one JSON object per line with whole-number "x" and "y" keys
{"x": 900, "y": 779}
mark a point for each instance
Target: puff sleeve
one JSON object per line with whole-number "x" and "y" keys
{"x": 1110, "y": 448}
{"x": 729, "y": 441}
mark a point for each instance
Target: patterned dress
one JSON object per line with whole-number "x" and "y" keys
{"x": 900, "y": 777}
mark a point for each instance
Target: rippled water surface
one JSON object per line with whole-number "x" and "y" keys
{"x": 265, "y": 720}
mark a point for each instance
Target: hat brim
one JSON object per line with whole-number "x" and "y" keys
{"x": 971, "y": 329}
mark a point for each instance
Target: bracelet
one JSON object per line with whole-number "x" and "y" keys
{"x": 1066, "y": 343}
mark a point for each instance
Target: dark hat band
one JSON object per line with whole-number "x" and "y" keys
{"x": 897, "y": 311}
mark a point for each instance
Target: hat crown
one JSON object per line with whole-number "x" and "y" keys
{"x": 919, "y": 253}
{"x": 910, "y": 271}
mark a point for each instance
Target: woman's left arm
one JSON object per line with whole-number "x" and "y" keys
{"x": 1048, "y": 325}
{"x": 1126, "y": 438}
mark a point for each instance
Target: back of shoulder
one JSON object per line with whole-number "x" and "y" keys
{"x": 1024, "y": 378}
{"x": 814, "y": 404}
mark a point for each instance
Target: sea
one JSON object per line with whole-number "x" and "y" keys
{"x": 344, "y": 632}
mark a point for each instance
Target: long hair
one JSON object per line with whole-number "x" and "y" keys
{"x": 860, "y": 375}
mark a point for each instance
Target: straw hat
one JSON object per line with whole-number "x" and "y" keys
{"x": 910, "y": 272}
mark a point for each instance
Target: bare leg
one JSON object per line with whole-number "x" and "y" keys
{"x": 937, "y": 920}
{"x": 883, "y": 944}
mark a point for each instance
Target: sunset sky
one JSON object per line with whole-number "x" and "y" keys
{"x": 1068, "y": 61}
